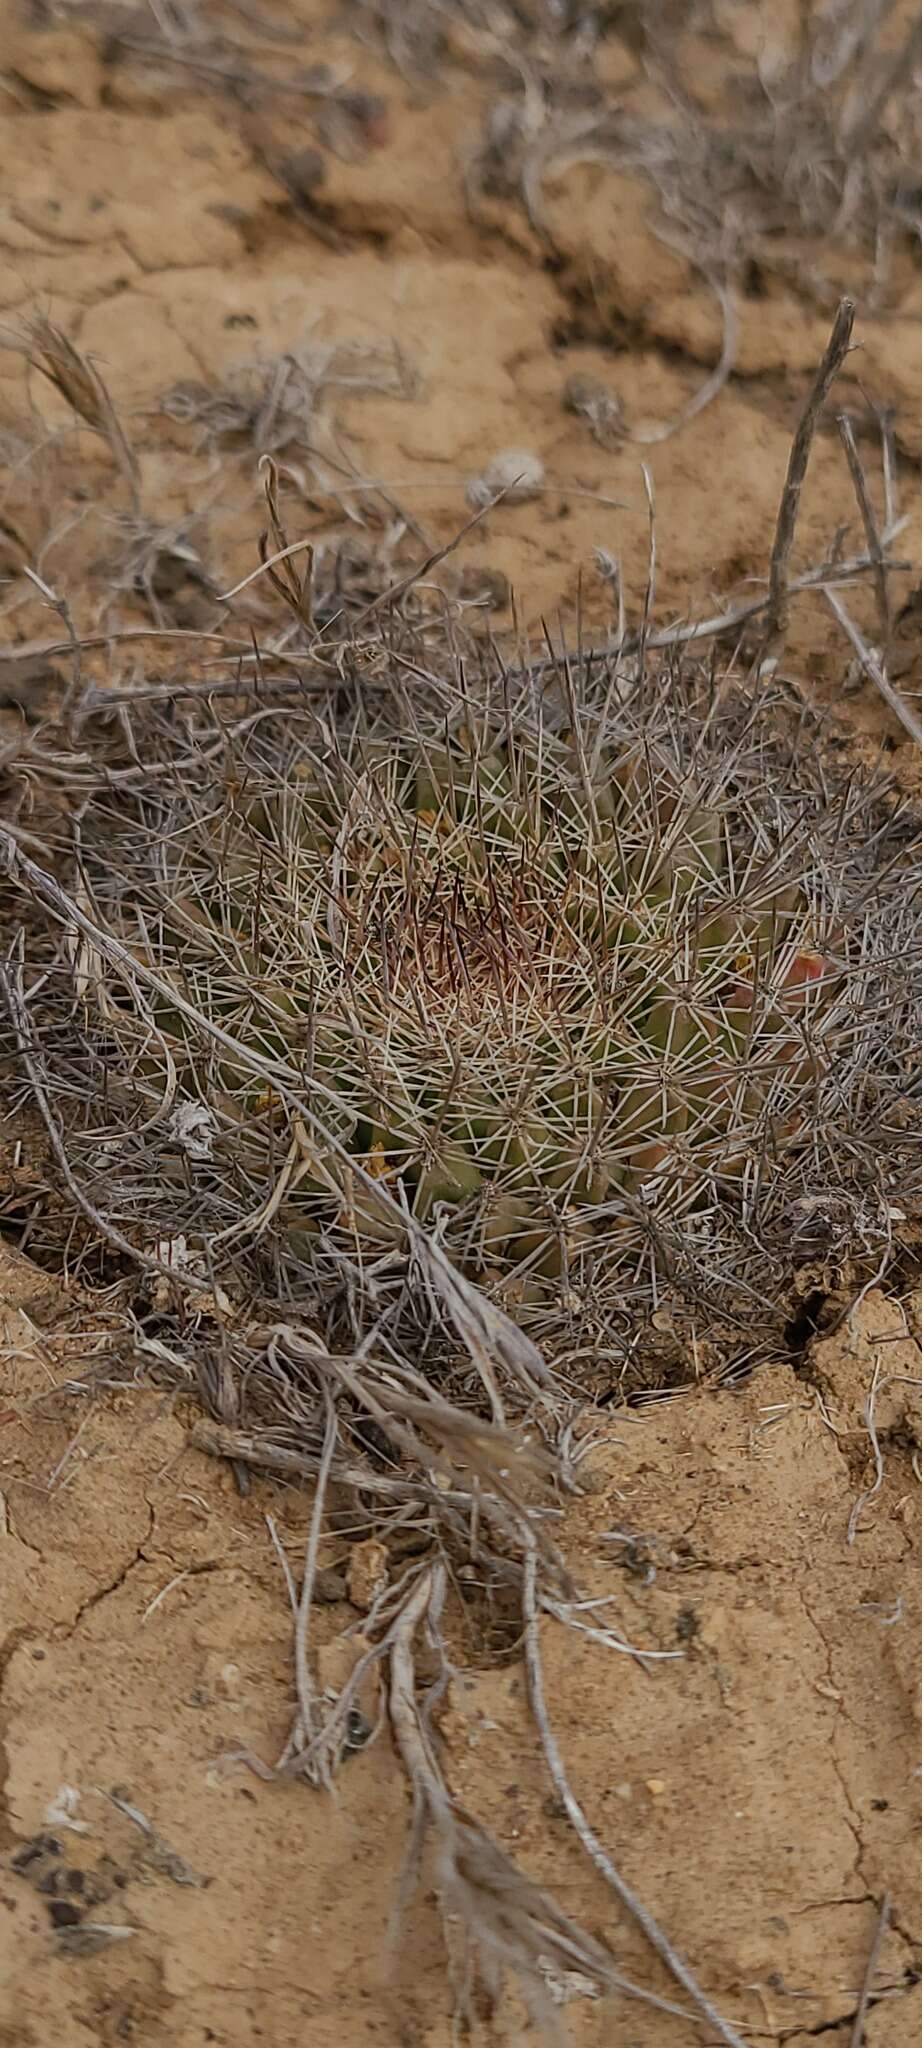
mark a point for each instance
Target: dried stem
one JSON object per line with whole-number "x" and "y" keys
{"x": 871, "y": 529}
{"x": 304, "y": 1729}
{"x": 873, "y": 670}
{"x": 659, "y": 1941}
{"x": 836, "y": 351}
{"x": 856, "y": 2038}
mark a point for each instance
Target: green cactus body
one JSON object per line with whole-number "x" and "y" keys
{"x": 524, "y": 977}
{"x": 562, "y": 996}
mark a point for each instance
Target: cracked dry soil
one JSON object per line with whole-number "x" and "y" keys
{"x": 765, "y": 1791}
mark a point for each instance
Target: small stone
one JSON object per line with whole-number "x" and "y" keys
{"x": 357, "y": 1732}
{"x": 92, "y": 1936}
{"x": 686, "y": 1624}
{"x": 40, "y": 1845}
{"x": 487, "y": 588}
{"x": 656, "y": 1787}
{"x": 303, "y": 172}
{"x": 595, "y": 403}
{"x": 516, "y": 473}
{"x": 329, "y": 1586}
{"x": 63, "y": 1913}
{"x": 367, "y": 1573}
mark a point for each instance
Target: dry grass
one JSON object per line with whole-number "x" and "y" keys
{"x": 82, "y": 387}
{"x": 822, "y": 144}
{"x": 275, "y": 408}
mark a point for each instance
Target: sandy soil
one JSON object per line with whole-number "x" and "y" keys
{"x": 176, "y": 232}
{"x": 766, "y": 1790}
{"x": 761, "y": 1792}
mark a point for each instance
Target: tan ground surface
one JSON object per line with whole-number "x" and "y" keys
{"x": 765, "y": 1791}
{"x": 761, "y": 1794}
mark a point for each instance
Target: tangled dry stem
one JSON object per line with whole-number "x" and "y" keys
{"x": 822, "y": 143}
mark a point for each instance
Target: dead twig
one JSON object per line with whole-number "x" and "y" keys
{"x": 507, "y": 1922}
{"x": 871, "y": 528}
{"x": 856, "y": 2038}
{"x": 836, "y": 351}
{"x": 872, "y": 669}
{"x": 877, "y": 1387}
{"x": 305, "y": 1728}
{"x": 658, "y": 1940}
{"x": 295, "y": 589}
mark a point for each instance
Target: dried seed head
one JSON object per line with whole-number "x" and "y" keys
{"x": 81, "y": 385}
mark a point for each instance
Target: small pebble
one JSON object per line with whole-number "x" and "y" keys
{"x": 303, "y": 172}
{"x": 63, "y": 1913}
{"x": 488, "y": 588}
{"x": 329, "y": 1586}
{"x": 595, "y": 403}
{"x": 358, "y": 1729}
{"x": 367, "y": 1573}
{"x": 40, "y": 1845}
{"x": 517, "y": 473}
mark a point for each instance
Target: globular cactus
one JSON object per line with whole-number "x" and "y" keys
{"x": 596, "y": 996}
{"x": 530, "y": 986}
